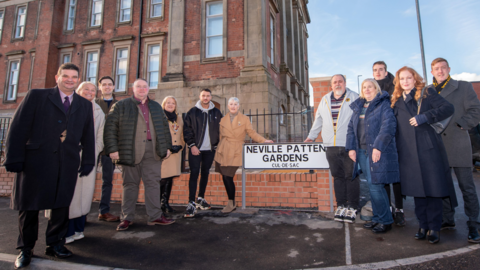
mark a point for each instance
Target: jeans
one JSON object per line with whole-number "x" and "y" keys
{"x": 378, "y": 195}
{"x": 347, "y": 191}
{"x": 203, "y": 161}
{"x": 107, "y": 178}
{"x": 76, "y": 225}
{"x": 470, "y": 198}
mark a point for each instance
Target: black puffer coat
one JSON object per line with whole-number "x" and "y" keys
{"x": 121, "y": 126}
{"x": 387, "y": 84}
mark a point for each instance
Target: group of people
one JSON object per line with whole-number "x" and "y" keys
{"x": 59, "y": 135}
{"x": 400, "y": 132}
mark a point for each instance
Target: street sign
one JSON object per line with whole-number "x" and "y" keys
{"x": 284, "y": 156}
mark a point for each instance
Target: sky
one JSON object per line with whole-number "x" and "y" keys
{"x": 348, "y": 36}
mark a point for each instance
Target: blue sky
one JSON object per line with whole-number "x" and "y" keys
{"x": 348, "y": 36}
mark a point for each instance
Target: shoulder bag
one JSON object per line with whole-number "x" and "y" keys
{"x": 439, "y": 126}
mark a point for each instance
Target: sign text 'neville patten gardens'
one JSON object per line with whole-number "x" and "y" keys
{"x": 284, "y": 156}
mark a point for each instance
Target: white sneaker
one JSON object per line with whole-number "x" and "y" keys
{"x": 78, "y": 235}
{"x": 350, "y": 215}
{"x": 340, "y": 213}
{"x": 69, "y": 239}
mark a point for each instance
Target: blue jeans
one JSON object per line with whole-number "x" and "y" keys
{"x": 107, "y": 178}
{"x": 378, "y": 195}
{"x": 76, "y": 225}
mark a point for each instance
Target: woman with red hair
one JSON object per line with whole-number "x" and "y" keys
{"x": 424, "y": 170}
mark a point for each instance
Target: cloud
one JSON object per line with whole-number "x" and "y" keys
{"x": 465, "y": 76}
{"x": 412, "y": 11}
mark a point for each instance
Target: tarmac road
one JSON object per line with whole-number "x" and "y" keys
{"x": 263, "y": 240}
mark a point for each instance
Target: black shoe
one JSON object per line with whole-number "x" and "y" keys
{"x": 370, "y": 225}
{"x": 58, "y": 251}
{"x": 473, "y": 236}
{"x": 382, "y": 228}
{"x": 421, "y": 234}
{"x": 191, "y": 209}
{"x": 433, "y": 236}
{"x": 400, "y": 219}
{"x": 447, "y": 226}
{"x": 24, "y": 258}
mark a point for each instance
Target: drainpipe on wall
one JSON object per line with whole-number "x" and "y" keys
{"x": 139, "y": 39}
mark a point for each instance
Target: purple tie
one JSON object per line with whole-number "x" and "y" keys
{"x": 66, "y": 104}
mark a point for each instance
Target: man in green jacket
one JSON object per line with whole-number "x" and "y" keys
{"x": 137, "y": 137}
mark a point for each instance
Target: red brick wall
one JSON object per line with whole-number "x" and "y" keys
{"x": 194, "y": 71}
{"x": 476, "y": 87}
{"x": 292, "y": 190}
{"x": 320, "y": 89}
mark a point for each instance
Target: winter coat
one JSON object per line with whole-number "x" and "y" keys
{"x": 232, "y": 138}
{"x": 380, "y": 131}
{"x": 386, "y": 84}
{"x": 50, "y": 166}
{"x": 83, "y": 196}
{"x": 324, "y": 121}
{"x": 467, "y": 114}
{"x": 105, "y": 108}
{"x": 196, "y": 122}
{"x": 173, "y": 164}
{"x": 121, "y": 125}
{"x": 424, "y": 169}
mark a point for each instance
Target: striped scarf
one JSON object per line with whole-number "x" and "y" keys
{"x": 439, "y": 86}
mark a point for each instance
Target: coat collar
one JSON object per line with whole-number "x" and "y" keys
{"x": 451, "y": 86}
{"x": 54, "y": 96}
{"x": 358, "y": 104}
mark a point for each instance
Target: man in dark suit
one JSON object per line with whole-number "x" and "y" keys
{"x": 48, "y": 130}
{"x": 457, "y": 143}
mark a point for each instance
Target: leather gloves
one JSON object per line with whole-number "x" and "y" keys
{"x": 85, "y": 170}
{"x": 14, "y": 167}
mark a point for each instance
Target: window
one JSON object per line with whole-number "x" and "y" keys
{"x": 71, "y": 8}
{"x": 156, "y": 9}
{"x": 96, "y": 17}
{"x": 153, "y": 65}
{"x": 214, "y": 38}
{"x": 281, "y": 110}
{"x": 66, "y": 58}
{"x": 121, "y": 70}
{"x": 20, "y": 22}
{"x": 272, "y": 39}
{"x": 2, "y": 14}
{"x": 13, "y": 76}
{"x": 92, "y": 63}
{"x": 125, "y": 11}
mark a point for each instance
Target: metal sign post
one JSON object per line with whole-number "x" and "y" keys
{"x": 281, "y": 156}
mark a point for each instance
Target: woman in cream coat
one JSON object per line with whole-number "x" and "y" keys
{"x": 83, "y": 196}
{"x": 233, "y": 128}
{"x": 171, "y": 167}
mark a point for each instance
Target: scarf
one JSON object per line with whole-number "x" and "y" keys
{"x": 439, "y": 86}
{"x": 171, "y": 116}
{"x": 232, "y": 116}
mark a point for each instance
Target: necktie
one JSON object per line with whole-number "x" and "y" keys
{"x": 66, "y": 104}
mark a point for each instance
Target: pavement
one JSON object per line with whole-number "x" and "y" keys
{"x": 254, "y": 239}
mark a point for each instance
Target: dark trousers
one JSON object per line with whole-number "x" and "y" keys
{"x": 347, "y": 191}
{"x": 76, "y": 225}
{"x": 107, "y": 178}
{"x": 229, "y": 187}
{"x": 397, "y": 193}
{"x": 204, "y": 162}
{"x": 429, "y": 212}
{"x": 28, "y": 227}
{"x": 470, "y": 198}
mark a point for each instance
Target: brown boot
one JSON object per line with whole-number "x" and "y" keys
{"x": 230, "y": 207}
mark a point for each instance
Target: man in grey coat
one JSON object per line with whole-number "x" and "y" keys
{"x": 457, "y": 143}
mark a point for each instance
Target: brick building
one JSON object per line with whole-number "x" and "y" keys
{"x": 253, "y": 49}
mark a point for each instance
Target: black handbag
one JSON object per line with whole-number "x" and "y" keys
{"x": 176, "y": 148}
{"x": 439, "y": 126}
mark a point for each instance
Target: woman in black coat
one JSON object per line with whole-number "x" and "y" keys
{"x": 424, "y": 170}
{"x": 371, "y": 144}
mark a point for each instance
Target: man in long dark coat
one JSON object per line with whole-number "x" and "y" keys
{"x": 48, "y": 130}
{"x": 457, "y": 143}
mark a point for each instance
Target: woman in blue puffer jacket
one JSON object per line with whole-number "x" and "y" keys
{"x": 371, "y": 143}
